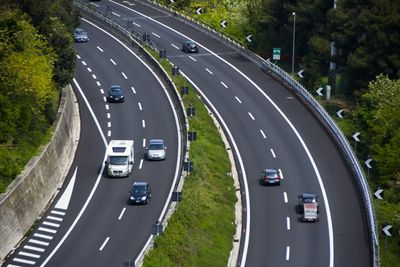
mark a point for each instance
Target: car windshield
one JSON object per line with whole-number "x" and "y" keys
{"x": 139, "y": 189}
{"x": 309, "y": 199}
{"x": 156, "y": 147}
{"x": 118, "y": 160}
{"x": 79, "y": 31}
{"x": 271, "y": 174}
{"x": 116, "y": 91}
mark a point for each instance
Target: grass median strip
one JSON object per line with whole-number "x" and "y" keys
{"x": 201, "y": 230}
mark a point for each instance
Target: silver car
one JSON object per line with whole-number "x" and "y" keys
{"x": 80, "y": 36}
{"x": 156, "y": 149}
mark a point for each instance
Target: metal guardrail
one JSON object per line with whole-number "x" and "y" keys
{"x": 281, "y": 75}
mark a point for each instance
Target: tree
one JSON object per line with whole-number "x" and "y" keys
{"x": 379, "y": 114}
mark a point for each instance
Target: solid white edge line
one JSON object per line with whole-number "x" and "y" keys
{"x": 328, "y": 212}
{"x": 95, "y": 185}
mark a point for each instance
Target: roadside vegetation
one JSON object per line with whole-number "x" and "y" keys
{"x": 37, "y": 59}
{"x": 366, "y": 85}
{"x": 201, "y": 230}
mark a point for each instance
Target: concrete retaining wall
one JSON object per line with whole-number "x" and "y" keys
{"x": 28, "y": 195}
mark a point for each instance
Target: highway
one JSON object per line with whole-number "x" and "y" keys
{"x": 94, "y": 225}
{"x": 271, "y": 128}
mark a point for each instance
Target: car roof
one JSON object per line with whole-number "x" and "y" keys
{"x": 189, "y": 42}
{"x": 79, "y": 29}
{"x": 140, "y": 183}
{"x": 308, "y": 195}
{"x": 156, "y": 141}
{"x": 271, "y": 170}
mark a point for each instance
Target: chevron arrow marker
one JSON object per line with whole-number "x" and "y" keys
{"x": 378, "y": 193}
{"x": 386, "y": 230}
{"x": 319, "y": 89}
{"x": 355, "y": 136}
{"x": 198, "y": 11}
{"x": 300, "y": 73}
{"x": 367, "y": 163}
{"x": 339, "y": 113}
{"x": 223, "y": 23}
{"x": 248, "y": 38}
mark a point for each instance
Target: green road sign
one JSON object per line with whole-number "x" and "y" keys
{"x": 276, "y": 53}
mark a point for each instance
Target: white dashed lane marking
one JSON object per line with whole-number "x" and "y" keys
{"x": 98, "y": 83}
{"x": 121, "y": 214}
{"x": 288, "y": 223}
{"x": 27, "y": 254}
{"x": 54, "y": 218}
{"x": 263, "y": 134}
{"x": 94, "y": 76}
{"x": 47, "y": 230}
{"x": 116, "y": 14}
{"x": 140, "y": 106}
{"x": 251, "y": 116}
{"x": 192, "y": 58}
{"x": 144, "y": 142}
{"x": 174, "y": 46}
{"x": 273, "y": 153}
{"x": 101, "y": 50}
{"x": 238, "y": 100}
{"x": 51, "y": 224}
{"x": 224, "y": 85}
{"x": 143, "y": 124}
{"x": 48, "y": 237}
{"x": 155, "y": 34}
{"x": 109, "y": 124}
{"x": 209, "y": 71}
{"x": 285, "y": 198}
{"x": 104, "y": 243}
{"x": 84, "y": 63}
{"x": 137, "y": 25}
{"x": 123, "y": 74}
{"x": 113, "y": 62}
{"x": 133, "y": 90}
{"x": 89, "y": 69}
{"x": 287, "y": 253}
{"x": 140, "y": 164}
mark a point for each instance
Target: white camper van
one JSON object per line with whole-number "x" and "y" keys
{"x": 119, "y": 158}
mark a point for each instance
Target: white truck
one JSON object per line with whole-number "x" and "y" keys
{"x": 309, "y": 207}
{"x": 120, "y": 158}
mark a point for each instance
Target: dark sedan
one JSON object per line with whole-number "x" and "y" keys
{"x": 190, "y": 47}
{"x": 140, "y": 193}
{"x": 115, "y": 94}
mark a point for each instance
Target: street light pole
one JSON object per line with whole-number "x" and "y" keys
{"x": 294, "y": 38}
{"x": 332, "y": 64}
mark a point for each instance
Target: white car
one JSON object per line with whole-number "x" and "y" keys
{"x": 156, "y": 149}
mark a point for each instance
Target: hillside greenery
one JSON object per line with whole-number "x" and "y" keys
{"x": 37, "y": 59}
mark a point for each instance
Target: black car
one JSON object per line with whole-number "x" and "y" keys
{"x": 140, "y": 193}
{"x": 190, "y": 47}
{"x": 115, "y": 94}
{"x": 80, "y": 36}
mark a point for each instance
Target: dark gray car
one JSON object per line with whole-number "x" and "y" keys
{"x": 140, "y": 193}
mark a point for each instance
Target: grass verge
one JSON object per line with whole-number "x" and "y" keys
{"x": 201, "y": 230}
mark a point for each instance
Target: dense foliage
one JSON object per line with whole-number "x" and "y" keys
{"x": 37, "y": 60}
